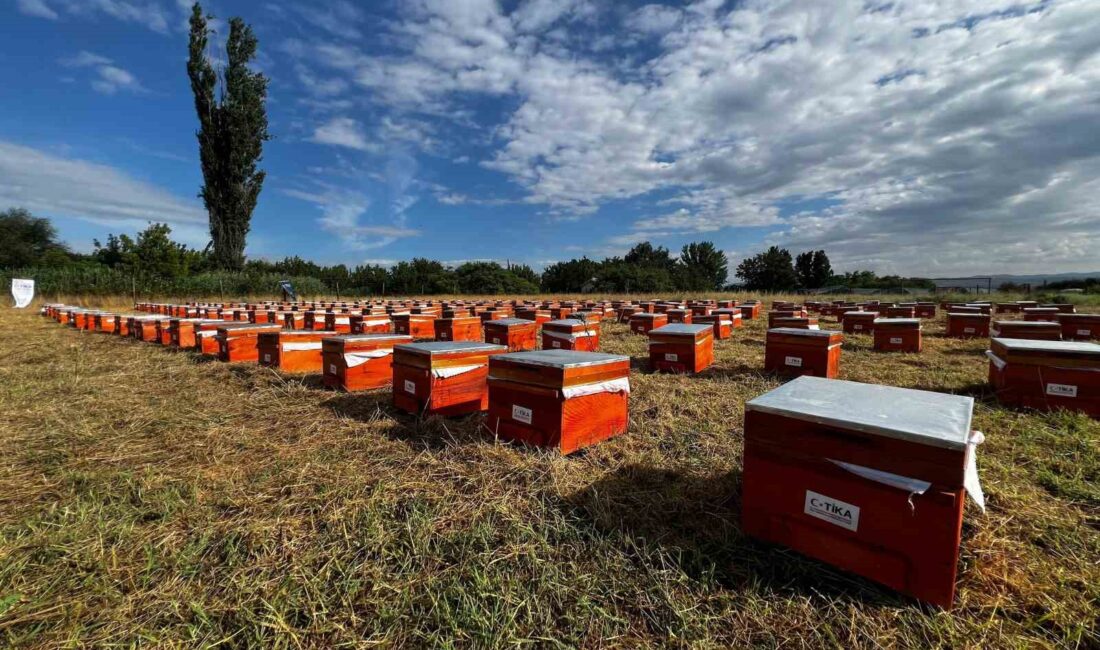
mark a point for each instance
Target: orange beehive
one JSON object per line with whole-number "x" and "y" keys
{"x": 338, "y": 322}
{"x": 442, "y": 377}
{"x": 559, "y": 399}
{"x": 796, "y": 322}
{"x": 1022, "y": 329}
{"x": 1007, "y": 307}
{"x": 784, "y": 313}
{"x": 868, "y": 478}
{"x": 750, "y": 309}
{"x": 164, "y": 331}
{"x": 143, "y": 328}
{"x": 371, "y": 324}
{"x": 790, "y": 351}
{"x": 720, "y": 323}
{"x": 78, "y": 318}
{"x": 1046, "y": 375}
{"x": 558, "y": 313}
{"x": 260, "y": 316}
{"x": 239, "y": 342}
{"x": 623, "y": 314}
{"x": 540, "y": 316}
{"x": 105, "y": 322}
{"x": 182, "y": 331}
{"x": 967, "y": 325}
{"x": 898, "y": 334}
{"x": 569, "y": 334}
{"x": 681, "y": 347}
{"x": 859, "y": 322}
{"x": 643, "y": 322}
{"x": 418, "y": 326}
{"x": 679, "y": 315}
{"x": 292, "y": 351}
{"x": 359, "y": 362}
{"x": 1079, "y": 327}
{"x": 517, "y": 334}
{"x": 461, "y": 328}
{"x": 1049, "y": 314}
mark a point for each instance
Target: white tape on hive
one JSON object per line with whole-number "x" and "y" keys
{"x": 997, "y": 361}
{"x": 445, "y": 373}
{"x": 620, "y": 385}
{"x": 353, "y": 359}
{"x": 298, "y": 347}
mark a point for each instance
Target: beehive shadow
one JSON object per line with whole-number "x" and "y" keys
{"x": 695, "y": 522}
{"x": 421, "y": 433}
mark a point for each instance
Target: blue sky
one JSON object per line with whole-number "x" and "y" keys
{"x": 935, "y": 137}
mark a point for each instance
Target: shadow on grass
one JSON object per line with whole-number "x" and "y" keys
{"x": 696, "y": 522}
{"x": 421, "y": 433}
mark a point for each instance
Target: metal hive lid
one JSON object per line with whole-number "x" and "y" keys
{"x": 798, "y": 331}
{"x": 1032, "y": 345}
{"x": 563, "y": 358}
{"x": 443, "y": 347}
{"x": 510, "y": 321}
{"x": 923, "y": 417}
{"x": 682, "y": 328}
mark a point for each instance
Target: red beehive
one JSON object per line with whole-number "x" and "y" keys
{"x": 462, "y": 328}
{"x": 1022, "y": 329}
{"x": 182, "y": 331}
{"x": 370, "y": 324}
{"x": 1079, "y": 327}
{"x": 901, "y": 312}
{"x": 967, "y": 325}
{"x": 721, "y": 324}
{"x": 623, "y": 314}
{"x": 784, "y": 313}
{"x": 144, "y": 328}
{"x": 238, "y": 343}
{"x": 569, "y": 334}
{"x": 1063, "y": 307}
{"x": 292, "y": 351}
{"x": 868, "y": 478}
{"x": 442, "y": 377}
{"x": 418, "y": 326}
{"x": 105, "y": 322}
{"x": 796, "y": 322}
{"x": 678, "y": 315}
{"x": 163, "y": 331}
{"x": 643, "y": 322}
{"x": 558, "y": 313}
{"x": 540, "y": 316}
{"x": 1007, "y": 308}
{"x": 260, "y": 316}
{"x": 560, "y": 399}
{"x": 1046, "y": 375}
{"x": 1049, "y": 314}
{"x": 338, "y": 322}
{"x": 925, "y": 310}
{"x": 859, "y": 322}
{"x": 897, "y": 335}
{"x": 359, "y": 362}
{"x": 750, "y": 309}
{"x": 519, "y": 335}
{"x": 681, "y": 347}
{"x": 701, "y": 310}
{"x": 791, "y": 351}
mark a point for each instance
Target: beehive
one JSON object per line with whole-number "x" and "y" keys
{"x": 370, "y": 324}
{"x": 569, "y": 334}
{"x": 442, "y": 377}
{"x": 1045, "y": 375}
{"x": 898, "y": 335}
{"x": 643, "y": 322}
{"x": 460, "y": 328}
{"x": 292, "y": 351}
{"x": 678, "y": 315}
{"x": 143, "y": 328}
{"x": 721, "y": 324}
{"x": 338, "y": 321}
{"x": 967, "y": 325}
{"x": 1049, "y": 314}
{"x": 1079, "y": 327}
{"x": 681, "y": 347}
{"x": 1022, "y": 329}
{"x": 1007, "y": 308}
{"x": 359, "y": 361}
{"x": 419, "y": 326}
{"x": 238, "y": 343}
{"x": 517, "y": 334}
{"x": 859, "y": 322}
{"x": 901, "y": 312}
{"x": 790, "y": 351}
{"x": 868, "y": 478}
{"x": 750, "y": 309}
{"x": 182, "y": 331}
{"x": 795, "y": 322}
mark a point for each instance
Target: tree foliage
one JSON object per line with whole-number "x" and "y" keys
{"x": 813, "y": 269}
{"x": 232, "y": 130}
{"x": 27, "y": 240}
{"x": 153, "y": 253}
{"x": 702, "y": 267}
{"x": 772, "y": 270}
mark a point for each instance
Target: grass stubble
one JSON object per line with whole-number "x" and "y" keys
{"x": 150, "y": 497}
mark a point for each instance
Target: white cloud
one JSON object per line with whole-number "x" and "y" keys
{"x": 109, "y": 78}
{"x": 55, "y": 186}
{"x": 342, "y": 132}
{"x": 36, "y": 8}
{"x": 341, "y": 213}
{"x": 653, "y": 19}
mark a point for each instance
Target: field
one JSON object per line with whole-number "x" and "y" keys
{"x": 149, "y": 497}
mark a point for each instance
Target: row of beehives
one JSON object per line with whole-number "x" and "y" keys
{"x": 869, "y": 478}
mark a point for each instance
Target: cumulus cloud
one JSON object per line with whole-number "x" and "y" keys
{"x": 949, "y": 135}
{"x": 342, "y": 132}
{"x": 109, "y": 78}
{"x": 36, "y": 8}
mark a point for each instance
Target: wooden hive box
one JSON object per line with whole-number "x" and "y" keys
{"x": 164, "y": 330}
{"x": 840, "y": 310}
{"x": 871, "y": 479}
{"x": 721, "y": 324}
{"x": 292, "y": 351}
{"x": 897, "y": 335}
{"x": 1046, "y": 375}
{"x": 239, "y": 343}
{"x": 359, "y": 362}
{"x": 901, "y": 312}
{"x": 339, "y": 322}
{"x": 963, "y": 309}
{"x": 144, "y": 328}
{"x": 1063, "y": 308}
{"x": 796, "y": 322}
{"x": 727, "y": 304}
{"x": 315, "y": 320}
{"x": 462, "y": 328}
{"x": 558, "y": 313}
{"x": 643, "y": 322}
{"x": 967, "y": 325}
{"x": 1079, "y": 327}
{"x": 79, "y": 319}
{"x": 592, "y": 317}
{"x": 623, "y": 314}
{"x": 795, "y": 352}
{"x": 859, "y": 322}
{"x": 540, "y": 316}
{"x": 733, "y": 313}
{"x": 750, "y": 310}
{"x": 679, "y": 315}
{"x": 419, "y": 326}
{"x": 1022, "y": 329}
{"x": 559, "y": 399}
{"x": 570, "y": 334}
{"x": 371, "y": 324}
{"x": 517, "y": 334}
{"x": 183, "y": 331}
{"x": 1006, "y": 308}
{"x": 648, "y": 307}
{"x": 701, "y": 310}
{"x": 925, "y": 310}
{"x": 681, "y": 347}
{"x": 442, "y": 377}
{"x": 206, "y": 336}
{"x": 1048, "y": 314}
{"x": 105, "y": 322}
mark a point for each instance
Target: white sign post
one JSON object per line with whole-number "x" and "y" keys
{"x": 22, "y": 291}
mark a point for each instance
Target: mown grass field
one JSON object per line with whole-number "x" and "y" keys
{"x": 149, "y": 497}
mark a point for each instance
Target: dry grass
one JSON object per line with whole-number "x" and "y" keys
{"x": 148, "y": 497}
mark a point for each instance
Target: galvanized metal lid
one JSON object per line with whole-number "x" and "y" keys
{"x": 444, "y": 347}
{"x": 897, "y": 321}
{"x": 682, "y": 329}
{"x": 860, "y": 313}
{"x": 1083, "y": 348}
{"x": 1037, "y": 324}
{"x": 798, "y": 331}
{"x": 371, "y": 337}
{"x": 562, "y": 358}
{"x": 509, "y": 321}
{"x": 919, "y": 416}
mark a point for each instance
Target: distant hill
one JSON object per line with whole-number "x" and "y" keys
{"x": 1034, "y": 280}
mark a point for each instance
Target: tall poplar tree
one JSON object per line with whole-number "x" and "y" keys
{"x": 232, "y": 131}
